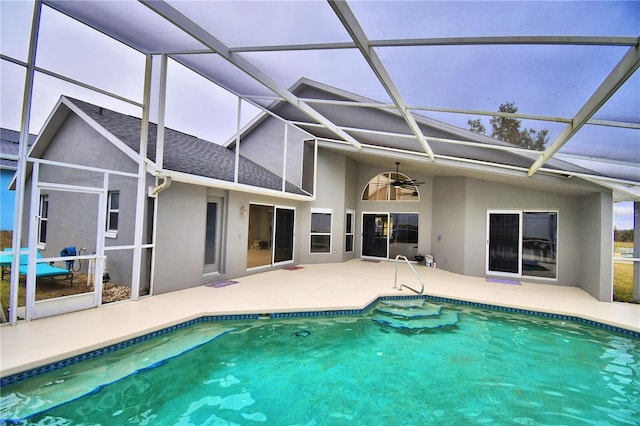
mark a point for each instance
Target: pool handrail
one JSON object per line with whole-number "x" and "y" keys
{"x": 395, "y": 285}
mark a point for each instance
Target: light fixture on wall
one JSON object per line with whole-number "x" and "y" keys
{"x": 243, "y": 210}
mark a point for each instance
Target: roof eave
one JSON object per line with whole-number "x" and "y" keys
{"x": 232, "y": 186}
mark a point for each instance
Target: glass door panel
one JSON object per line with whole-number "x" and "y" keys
{"x": 375, "y": 233}
{"x": 259, "y": 235}
{"x": 211, "y": 238}
{"x": 504, "y": 243}
{"x": 403, "y": 239}
{"x": 284, "y": 235}
{"x": 539, "y": 244}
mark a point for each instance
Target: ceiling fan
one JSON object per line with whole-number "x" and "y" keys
{"x": 403, "y": 183}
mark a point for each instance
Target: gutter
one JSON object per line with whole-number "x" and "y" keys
{"x": 155, "y": 190}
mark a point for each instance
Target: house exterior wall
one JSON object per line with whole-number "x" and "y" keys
{"x": 483, "y": 196}
{"x": 180, "y": 237}
{"x": 265, "y": 146}
{"x": 73, "y": 216}
{"x": 330, "y": 194}
{"x": 595, "y": 245}
{"x": 584, "y": 229}
{"x": 449, "y": 223}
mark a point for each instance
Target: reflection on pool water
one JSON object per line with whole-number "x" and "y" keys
{"x": 405, "y": 362}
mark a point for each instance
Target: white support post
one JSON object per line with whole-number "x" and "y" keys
{"x": 102, "y": 220}
{"x": 162, "y": 101}
{"x": 142, "y": 179}
{"x": 34, "y": 220}
{"x": 636, "y": 251}
{"x": 236, "y": 167}
{"x": 22, "y": 162}
{"x": 284, "y": 158}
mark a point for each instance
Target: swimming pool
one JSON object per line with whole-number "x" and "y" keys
{"x": 403, "y": 362}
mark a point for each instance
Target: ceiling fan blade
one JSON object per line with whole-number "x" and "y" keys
{"x": 403, "y": 183}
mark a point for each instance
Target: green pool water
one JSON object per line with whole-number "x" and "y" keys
{"x": 400, "y": 364}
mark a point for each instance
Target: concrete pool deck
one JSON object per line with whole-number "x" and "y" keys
{"x": 320, "y": 287}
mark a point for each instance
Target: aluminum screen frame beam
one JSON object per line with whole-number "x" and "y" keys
{"x": 351, "y": 24}
{"x": 18, "y": 217}
{"x": 629, "y": 63}
{"x": 440, "y": 41}
{"x": 181, "y": 21}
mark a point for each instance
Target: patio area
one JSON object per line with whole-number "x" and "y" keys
{"x": 319, "y": 287}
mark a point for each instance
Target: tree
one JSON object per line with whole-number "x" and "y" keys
{"x": 508, "y": 129}
{"x": 476, "y": 126}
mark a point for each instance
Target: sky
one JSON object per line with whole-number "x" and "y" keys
{"x": 544, "y": 80}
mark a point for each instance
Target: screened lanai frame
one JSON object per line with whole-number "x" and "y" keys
{"x": 217, "y": 42}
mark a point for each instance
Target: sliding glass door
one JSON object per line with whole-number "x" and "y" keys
{"x": 387, "y": 235}
{"x": 270, "y": 236}
{"x": 522, "y": 243}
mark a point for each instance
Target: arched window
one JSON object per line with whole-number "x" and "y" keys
{"x": 381, "y": 188}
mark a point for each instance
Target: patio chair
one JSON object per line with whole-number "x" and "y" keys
{"x": 42, "y": 269}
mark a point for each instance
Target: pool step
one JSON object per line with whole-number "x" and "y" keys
{"x": 413, "y": 314}
{"x": 414, "y": 310}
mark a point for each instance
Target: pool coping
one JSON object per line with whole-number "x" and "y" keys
{"x": 201, "y": 318}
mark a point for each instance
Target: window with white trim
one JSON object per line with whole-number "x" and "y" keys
{"x": 43, "y": 218}
{"x": 349, "y": 227}
{"x": 320, "y": 231}
{"x": 385, "y": 187}
{"x": 113, "y": 213}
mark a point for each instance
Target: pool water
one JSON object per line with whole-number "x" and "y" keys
{"x": 403, "y": 363}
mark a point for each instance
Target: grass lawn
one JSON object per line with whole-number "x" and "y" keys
{"x": 622, "y": 277}
{"x": 45, "y": 289}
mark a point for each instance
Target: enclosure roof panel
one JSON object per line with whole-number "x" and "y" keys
{"x": 571, "y": 63}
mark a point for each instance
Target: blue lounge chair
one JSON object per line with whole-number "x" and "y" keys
{"x": 42, "y": 269}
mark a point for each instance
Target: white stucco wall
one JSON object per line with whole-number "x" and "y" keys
{"x": 595, "y": 245}
{"x": 180, "y": 237}
{"x": 449, "y": 223}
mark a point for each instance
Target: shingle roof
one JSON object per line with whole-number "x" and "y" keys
{"x": 185, "y": 153}
{"x": 9, "y": 146}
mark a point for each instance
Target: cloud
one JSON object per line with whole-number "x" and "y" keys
{"x": 623, "y": 209}
{"x": 623, "y": 215}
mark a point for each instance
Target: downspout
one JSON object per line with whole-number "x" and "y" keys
{"x": 155, "y": 190}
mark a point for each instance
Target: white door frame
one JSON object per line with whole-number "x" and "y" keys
{"x": 60, "y": 305}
